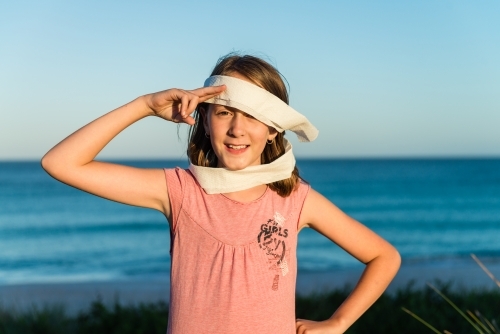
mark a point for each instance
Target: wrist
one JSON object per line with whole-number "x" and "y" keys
{"x": 338, "y": 324}
{"x": 142, "y": 105}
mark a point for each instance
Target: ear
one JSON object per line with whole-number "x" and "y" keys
{"x": 272, "y": 133}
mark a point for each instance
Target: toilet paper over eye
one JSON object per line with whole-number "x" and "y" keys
{"x": 261, "y": 104}
{"x": 268, "y": 109}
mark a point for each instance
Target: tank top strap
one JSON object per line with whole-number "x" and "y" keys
{"x": 176, "y": 181}
{"x": 302, "y": 192}
{"x": 181, "y": 187}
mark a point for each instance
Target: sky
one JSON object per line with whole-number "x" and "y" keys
{"x": 377, "y": 78}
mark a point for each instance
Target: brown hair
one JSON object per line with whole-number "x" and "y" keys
{"x": 263, "y": 74}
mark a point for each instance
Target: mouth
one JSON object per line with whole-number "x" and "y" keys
{"x": 236, "y": 148}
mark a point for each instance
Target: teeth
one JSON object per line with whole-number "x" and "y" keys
{"x": 238, "y": 147}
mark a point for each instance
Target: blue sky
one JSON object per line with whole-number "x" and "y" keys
{"x": 378, "y": 78}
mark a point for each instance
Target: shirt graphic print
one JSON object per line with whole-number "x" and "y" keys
{"x": 272, "y": 240}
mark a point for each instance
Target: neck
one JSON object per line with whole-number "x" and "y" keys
{"x": 247, "y": 195}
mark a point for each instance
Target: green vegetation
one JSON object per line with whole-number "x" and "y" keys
{"x": 477, "y": 321}
{"x": 385, "y": 316}
{"x": 142, "y": 319}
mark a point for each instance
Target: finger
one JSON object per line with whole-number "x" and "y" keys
{"x": 189, "y": 120}
{"x": 300, "y": 329}
{"x": 202, "y": 91}
{"x": 176, "y": 94}
{"x": 297, "y": 325}
{"x": 178, "y": 118}
{"x": 205, "y": 93}
{"x": 184, "y": 105}
{"x": 193, "y": 103}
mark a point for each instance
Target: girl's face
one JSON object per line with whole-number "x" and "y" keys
{"x": 237, "y": 138}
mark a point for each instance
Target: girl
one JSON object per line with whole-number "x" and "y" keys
{"x": 235, "y": 214}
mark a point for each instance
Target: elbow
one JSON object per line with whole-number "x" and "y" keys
{"x": 45, "y": 162}
{"x": 390, "y": 258}
{"x": 49, "y": 164}
{"x": 395, "y": 258}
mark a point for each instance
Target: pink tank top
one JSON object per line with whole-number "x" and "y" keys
{"x": 234, "y": 264}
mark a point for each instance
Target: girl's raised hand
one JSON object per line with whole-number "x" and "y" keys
{"x": 177, "y": 105}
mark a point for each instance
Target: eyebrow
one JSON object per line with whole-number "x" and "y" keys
{"x": 232, "y": 109}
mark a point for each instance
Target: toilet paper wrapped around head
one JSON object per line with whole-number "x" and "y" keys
{"x": 268, "y": 109}
{"x": 262, "y": 105}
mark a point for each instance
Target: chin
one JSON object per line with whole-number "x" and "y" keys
{"x": 234, "y": 165}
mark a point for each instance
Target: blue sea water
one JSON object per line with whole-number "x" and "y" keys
{"x": 432, "y": 210}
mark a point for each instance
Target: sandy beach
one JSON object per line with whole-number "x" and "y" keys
{"x": 78, "y": 296}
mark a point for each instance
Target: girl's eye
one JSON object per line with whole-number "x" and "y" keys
{"x": 223, "y": 112}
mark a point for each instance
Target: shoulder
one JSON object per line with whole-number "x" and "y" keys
{"x": 175, "y": 172}
{"x": 179, "y": 177}
{"x": 181, "y": 187}
{"x": 302, "y": 188}
{"x": 317, "y": 209}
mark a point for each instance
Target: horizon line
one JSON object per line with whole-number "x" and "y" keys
{"x": 384, "y": 157}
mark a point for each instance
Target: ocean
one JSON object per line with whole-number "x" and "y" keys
{"x": 435, "y": 211}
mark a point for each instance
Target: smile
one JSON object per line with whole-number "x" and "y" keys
{"x": 237, "y": 147}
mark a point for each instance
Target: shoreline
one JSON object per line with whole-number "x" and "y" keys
{"x": 78, "y": 296}
{"x": 461, "y": 275}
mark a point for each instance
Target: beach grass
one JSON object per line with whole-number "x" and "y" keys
{"x": 141, "y": 319}
{"x": 385, "y": 316}
{"x": 478, "y": 321}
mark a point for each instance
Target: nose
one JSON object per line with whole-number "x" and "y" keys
{"x": 238, "y": 125}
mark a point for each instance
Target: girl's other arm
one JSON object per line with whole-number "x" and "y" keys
{"x": 72, "y": 160}
{"x": 381, "y": 258}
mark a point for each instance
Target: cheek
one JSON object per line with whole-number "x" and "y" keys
{"x": 259, "y": 129}
{"x": 217, "y": 130}
{"x": 260, "y": 136}
{"x": 212, "y": 127}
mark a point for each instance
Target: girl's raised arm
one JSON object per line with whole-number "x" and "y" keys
{"x": 72, "y": 160}
{"x": 381, "y": 258}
